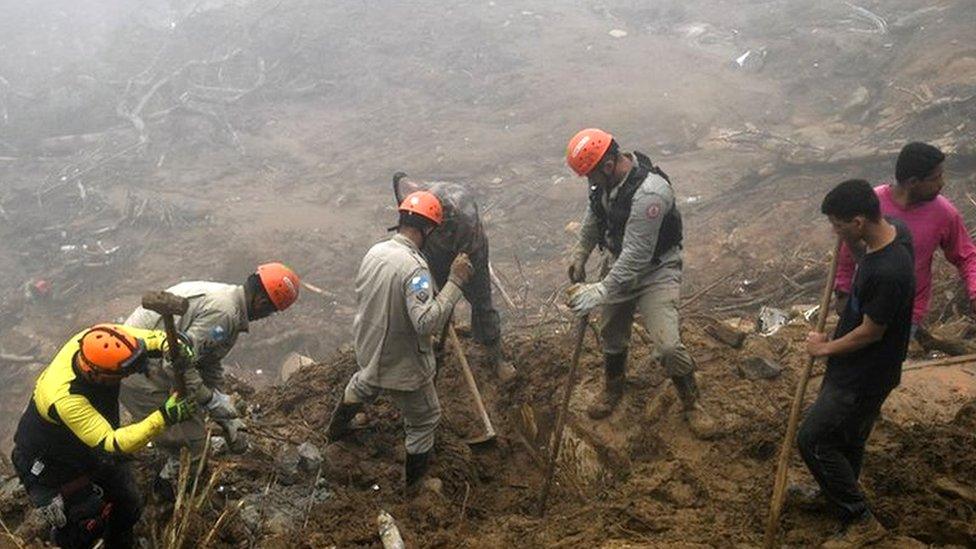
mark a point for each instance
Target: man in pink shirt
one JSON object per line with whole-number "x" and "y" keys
{"x": 932, "y": 219}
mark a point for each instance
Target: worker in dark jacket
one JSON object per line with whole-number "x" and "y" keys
{"x": 462, "y": 232}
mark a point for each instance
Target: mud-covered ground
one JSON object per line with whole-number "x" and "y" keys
{"x": 272, "y": 129}
{"x": 638, "y": 478}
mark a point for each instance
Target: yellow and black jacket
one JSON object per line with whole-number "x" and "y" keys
{"x": 72, "y": 424}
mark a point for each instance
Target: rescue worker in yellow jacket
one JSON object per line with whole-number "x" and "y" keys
{"x": 68, "y": 444}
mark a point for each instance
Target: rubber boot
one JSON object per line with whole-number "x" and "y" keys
{"x": 341, "y": 416}
{"x": 614, "y": 368}
{"x": 496, "y": 360}
{"x": 701, "y": 424}
{"x": 165, "y": 480}
{"x": 415, "y": 468}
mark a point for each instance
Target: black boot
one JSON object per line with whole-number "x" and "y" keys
{"x": 614, "y": 368}
{"x": 687, "y": 389}
{"x": 341, "y": 416}
{"x": 701, "y": 424}
{"x": 415, "y": 468}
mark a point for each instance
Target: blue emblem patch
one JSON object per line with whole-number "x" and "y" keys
{"x": 218, "y": 334}
{"x": 420, "y": 287}
{"x": 420, "y": 283}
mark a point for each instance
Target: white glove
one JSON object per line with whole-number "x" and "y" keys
{"x": 220, "y": 407}
{"x": 583, "y": 298}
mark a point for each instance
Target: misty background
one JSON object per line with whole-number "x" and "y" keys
{"x": 145, "y": 143}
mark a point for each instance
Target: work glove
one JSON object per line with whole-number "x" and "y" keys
{"x": 583, "y": 298}
{"x": 236, "y": 439}
{"x": 461, "y": 269}
{"x": 220, "y": 406}
{"x": 177, "y": 409}
{"x": 577, "y": 272}
{"x": 53, "y": 512}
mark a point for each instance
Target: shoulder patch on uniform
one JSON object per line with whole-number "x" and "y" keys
{"x": 420, "y": 286}
{"x": 218, "y": 333}
{"x": 653, "y": 211}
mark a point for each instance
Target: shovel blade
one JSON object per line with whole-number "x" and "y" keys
{"x": 483, "y": 441}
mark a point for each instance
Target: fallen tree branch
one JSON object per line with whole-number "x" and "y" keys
{"x": 701, "y": 293}
{"x": 20, "y": 359}
{"x": 501, "y": 290}
{"x": 937, "y": 362}
{"x": 135, "y": 115}
{"x": 316, "y": 290}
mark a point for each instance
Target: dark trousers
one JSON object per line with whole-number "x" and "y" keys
{"x": 117, "y": 486}
{"x": 831, "y": 441}
{"x": 485, "y": 323}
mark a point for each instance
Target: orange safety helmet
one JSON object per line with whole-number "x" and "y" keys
{"x": 106, "y": 352}
{"x": 424, "y": 204}
{"x": 281, "y": 284}
{"x": 586, "y": 148}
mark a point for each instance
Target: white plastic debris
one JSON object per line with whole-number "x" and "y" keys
{"x": 617, "y": 33}
{"x": 389, "y": 533}
{"x": 741, "y": 60}
{"x": 752, "y": 60}
{"x": 771, "y": 320}
{"x": 809, "y": 313}
{"x": 218, "y": 445}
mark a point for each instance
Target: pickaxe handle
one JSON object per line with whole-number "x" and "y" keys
{"x": 167, "y": 305}
{"x": 175, "y": 358}
{"x": 469, "y": 378}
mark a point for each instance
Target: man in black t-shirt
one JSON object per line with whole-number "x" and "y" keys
{"x": 864, "y": 357}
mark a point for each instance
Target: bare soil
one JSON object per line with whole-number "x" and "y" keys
{"x": 341, "y": 95}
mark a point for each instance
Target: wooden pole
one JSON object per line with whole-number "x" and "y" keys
{"x": 783, "y": 463}
{"x": 581, "y": 325}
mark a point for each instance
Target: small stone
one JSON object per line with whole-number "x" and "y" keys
{"x": 617, "y": 33}
{"x": 291, "y": 364}
{"x": 573, "y": 227}
{"x": 309, "y": 457}
{"x": 11, "y": 489}
{"x": 435, "y": 485}
{"x": 279, "y": 523}
{"x": 360, "y": 420}
{"x": 681, "y": 494}
{"x": 218, "y": 445}
{"x": 286, "y": 465}
{"x": 726, "y": 334}
{"x": 756, "y": 367}
{"x": 251, "y": 516}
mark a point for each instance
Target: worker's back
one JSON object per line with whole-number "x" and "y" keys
{"x": 388, "y": 349}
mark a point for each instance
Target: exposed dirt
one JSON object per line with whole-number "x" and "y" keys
{"x": 637, "y": 478}
{"x": 298, "y": 169}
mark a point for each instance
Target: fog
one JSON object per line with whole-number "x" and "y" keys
{"x": 145, "y": 143}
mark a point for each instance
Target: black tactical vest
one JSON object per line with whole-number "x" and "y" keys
{"x": 612, "y": 224}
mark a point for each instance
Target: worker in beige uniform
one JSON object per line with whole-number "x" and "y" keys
{"x": 397, "y": 315}
{"x": 633, "y": 216}
{"x": 216, "y": 315}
